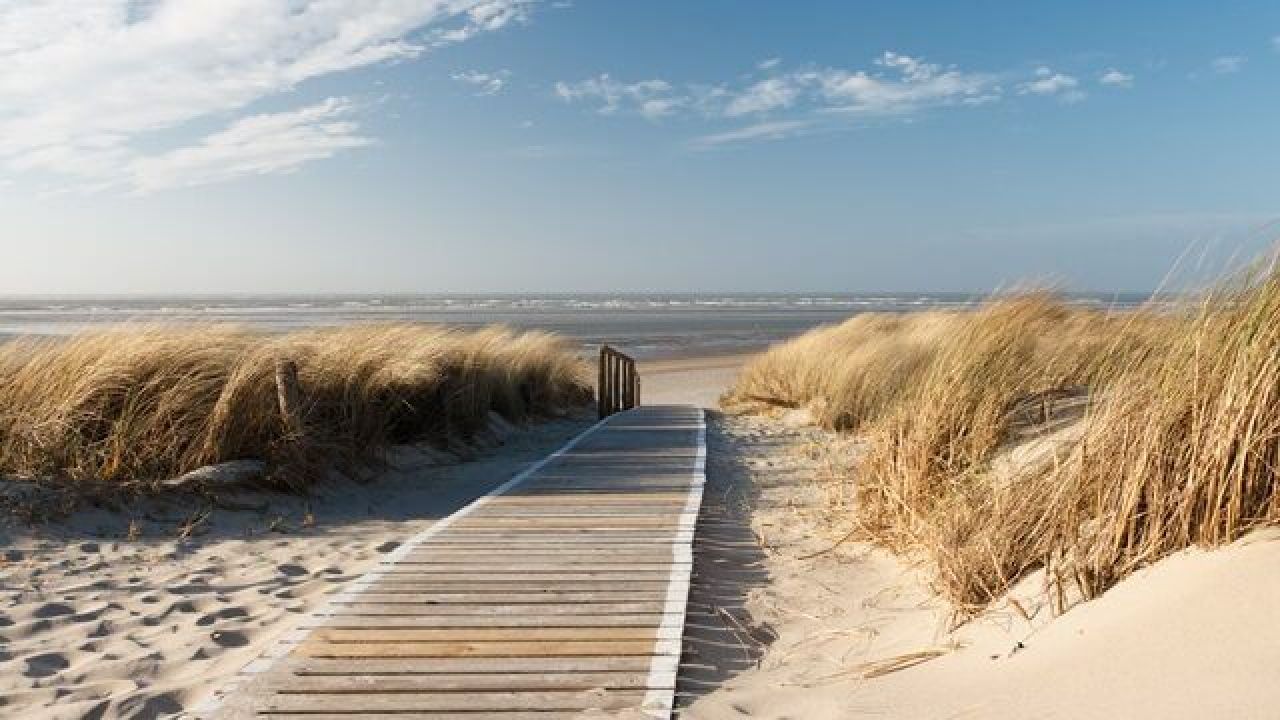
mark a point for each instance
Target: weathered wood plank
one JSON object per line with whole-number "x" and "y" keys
{"x": 466, "y": 682}
{"x": 458, "y": 702}
{"x": 584, "y": 565}
{"x": 512, "y": 666}
{"x": 553, "y": 606}
{"x": 507, "y": 621}
{"x": 480, "y": 634}
{"x": 512, "y": 648}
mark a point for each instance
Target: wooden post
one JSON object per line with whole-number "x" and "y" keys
{"x": 617, "y": 384}
{"x": 601, "y": 379}
{"x": 628, "y": 389}
{"x": 626, "y": 384}
{"x": 288, "y": 396}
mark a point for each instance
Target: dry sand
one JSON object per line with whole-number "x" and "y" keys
{"x": 786, "y": 626}
{"x": 697, "y": 381}
{"x": 96, "y": 625}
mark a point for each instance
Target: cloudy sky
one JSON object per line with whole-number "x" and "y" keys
{"x": 592, "y": 145}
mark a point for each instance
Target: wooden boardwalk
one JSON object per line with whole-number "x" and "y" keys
{"x": 560, "y": 594}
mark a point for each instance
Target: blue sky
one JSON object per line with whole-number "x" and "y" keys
{"x": 513, "y": 145}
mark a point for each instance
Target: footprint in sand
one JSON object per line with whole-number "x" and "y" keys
{"x": 39, "y": 666}
{"x": 289, "y": 570}
{"x": 223, "y": 614}
{"x": 53, "y": 610}
{"x": 229, "y": 638}
{"x": 387, "y": 546}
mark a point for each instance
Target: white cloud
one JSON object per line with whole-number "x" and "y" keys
{"x": 651, "y": 98}
{"x": 760, "y": 131}
{"x": 1050, "y": 83}
{"x": 83, "y": 84}
{"x": 766, "y": 95}
{"x": 902, "y": 86}
{"x": 910, "y": 86}
{"x": 769, "y": 64}
{"x": 1115, "y": 78}
{"x": 255, "y": 145}
{"x": 1227, "y": 64}
{"x": 490, "y": 83}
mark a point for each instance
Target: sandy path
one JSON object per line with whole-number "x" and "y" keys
{"x": 96, "y": 625}
{"x": 697, "y": 381}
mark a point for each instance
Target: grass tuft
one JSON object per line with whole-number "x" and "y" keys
{"x": 134, "y": 406}
{"x": 1027, "y": 434}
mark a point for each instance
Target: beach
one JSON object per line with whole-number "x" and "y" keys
{"x": 143, "y": 613}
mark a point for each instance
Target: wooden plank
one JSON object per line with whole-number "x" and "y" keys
{"x": 508, "y": 621}
{"x": 536, "y": 648}
{"x": 465, "y": 682}
{"x": 457, "y": 702}
{"x": 522, "y": 499}
{"x": 562, "y": 555}
{"x": 589, "y": 522}
{"x": 481, "y": 634}
{"x": 512, "y": 578}
{"x": 510, "y": 666}
{"x": 495, "y": 609}
{"x": 426, "y": 595}
{"x": 429, "y": 564}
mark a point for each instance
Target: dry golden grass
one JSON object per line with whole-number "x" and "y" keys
{"x": 938, "y": 397}
{"x": 135, "y": 406}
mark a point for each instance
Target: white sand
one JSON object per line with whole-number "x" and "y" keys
{"x": 93, "y": 624}
{"x": 1193, "y": 636}
{"x": 697, "y": 381}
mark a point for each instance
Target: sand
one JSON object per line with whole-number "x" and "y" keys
{"x": 697, "y": 381}
{"x": 796, "y": 628}
{"x": 95, "y": 624}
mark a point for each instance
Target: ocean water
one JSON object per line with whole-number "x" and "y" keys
{"x": 645, "y": 325}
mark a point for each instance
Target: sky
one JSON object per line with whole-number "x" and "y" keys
{"x": 248, "y": 146}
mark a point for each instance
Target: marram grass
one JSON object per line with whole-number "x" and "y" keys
{"x": 1179, "y": 444}
{"x": 133, "y": 406}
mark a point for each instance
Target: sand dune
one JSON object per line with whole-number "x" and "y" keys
{"x": 827, "y": 630}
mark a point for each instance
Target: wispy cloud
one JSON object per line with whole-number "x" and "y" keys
{"x": 83, "y": 85}
{"x": 1047, "y": 82}
{"x": 760, "y": 131}
{"x": 651, "y": 98}
{"x": 900, "y": 85}
{"x": 255, "y": 145}
{"x": 1115, "y": 78}
{"x": 1228, "y": 64}
{"x": 484, "y": 83}
{"x": 777, "y": 103}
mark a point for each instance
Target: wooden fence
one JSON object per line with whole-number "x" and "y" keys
{"x": 618, "y": 387}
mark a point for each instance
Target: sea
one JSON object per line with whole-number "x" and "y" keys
{"x": 648, "y": 326}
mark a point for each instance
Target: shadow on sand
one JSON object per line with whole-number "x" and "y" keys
{"x": 721, "y": 639}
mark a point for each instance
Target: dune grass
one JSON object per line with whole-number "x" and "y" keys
{"x": 1178, "y": 446}
{"x": 134, "y": 406}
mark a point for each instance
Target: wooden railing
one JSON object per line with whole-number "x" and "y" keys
{"x": 618, "y": 387}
